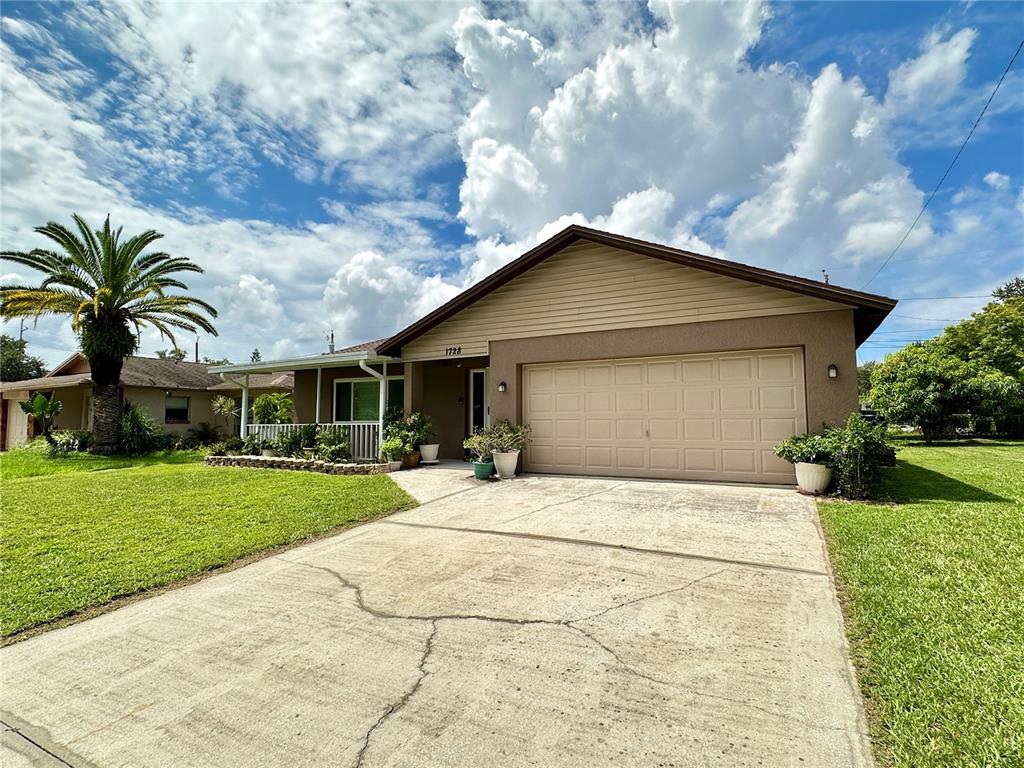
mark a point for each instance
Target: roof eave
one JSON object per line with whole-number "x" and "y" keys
{"x": 306, "y": 362}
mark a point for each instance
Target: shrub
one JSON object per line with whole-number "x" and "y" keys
{"x": 307, "y": 434}
{"x": 418, "y": 428}
{"x": 68, "y": 441}
{"x": 393, "y": 448}
{"x": 233, "y": 445}
{"x": 332, "y": 445}
{"x": 217, "y": 449}
{"x": 859, "y": 451}
{"x": 251, "y": 446}
{"x": 808, "y": 449}
{"x": 288, "y": 443}
{"x": 503, "y": 436}
{"x": 479, "y": 446}
{"x": 139, "y": 433}
{"x": 43, "y": 410}
{"x": 204, "y": 433}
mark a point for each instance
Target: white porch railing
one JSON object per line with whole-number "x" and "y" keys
{"x": 363, "y": 436}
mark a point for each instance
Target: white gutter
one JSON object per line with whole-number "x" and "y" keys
{"x": 302, "y": 363}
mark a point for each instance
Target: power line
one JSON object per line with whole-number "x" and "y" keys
{"x": 944, "y": 298}
{"x": 950, "y": 168}
{"x": 929, "y": 319}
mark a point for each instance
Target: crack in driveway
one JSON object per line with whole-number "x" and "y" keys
{"x": 571, "y": 624}
{"x": 560, "y": 503}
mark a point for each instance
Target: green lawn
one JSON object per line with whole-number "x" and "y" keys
{"x": 72, "y": 539}
{"x": 933, "y": 589}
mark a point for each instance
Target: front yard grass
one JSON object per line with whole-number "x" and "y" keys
{"x": 933, "y": 591}
{"x": 71, "y": 540}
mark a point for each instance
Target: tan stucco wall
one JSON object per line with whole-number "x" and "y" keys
{"x": 151, "y": 400}
{"x": 826, "y": 337}
{"x": 72, "y": 414}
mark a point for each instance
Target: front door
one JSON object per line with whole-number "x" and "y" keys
{"x": 479, "y": 402}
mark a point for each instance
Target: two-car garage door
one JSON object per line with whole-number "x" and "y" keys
{"x": 695, "y": 417}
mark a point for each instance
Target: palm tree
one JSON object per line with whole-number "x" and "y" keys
{"x": 109, "y": 289}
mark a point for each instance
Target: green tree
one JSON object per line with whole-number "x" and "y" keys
{"x": 1010, "y": 289}
{"x": 226, "y": 408}
{"x": 109, "y": 289}
{"x": 44, "y": 409}
{"x": 256, "y": 357}
{"x": 923, "y": 384}
{"x": 16, "y": 363}
{"x": 172, "y": 354}
{"x": 993, "y": 337}
{"x": 864, "y": 372}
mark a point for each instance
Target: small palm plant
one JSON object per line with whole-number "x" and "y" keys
{"x": 110, "y": 289}
{"x": 44, "y": 410}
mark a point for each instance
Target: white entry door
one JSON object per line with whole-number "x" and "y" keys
{"x": 696, "y": 417}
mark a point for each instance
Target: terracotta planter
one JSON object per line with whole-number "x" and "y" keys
{"x": 482, "y": 469}
{"x": 428, "y": 453}
{"x": 812, "y": 478}
{"x": 410, "y": 460}
{"x": 505, "y": 462}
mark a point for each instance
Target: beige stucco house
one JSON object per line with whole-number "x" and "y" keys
{"x": 626, "y": 357}
{"x": 178, "y": 395}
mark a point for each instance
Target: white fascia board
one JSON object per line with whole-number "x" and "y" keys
{"x": 306, "y": 362}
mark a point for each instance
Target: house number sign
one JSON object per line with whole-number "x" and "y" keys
{"x": 450, "y": 351}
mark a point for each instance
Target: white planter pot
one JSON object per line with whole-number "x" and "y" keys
{"x": 269, "y": 452}
{"x": 429, "y": 452}
{"x": 394, "y": 466}
{"x": 813, "y": 478}
{"x": 505, "y": 463}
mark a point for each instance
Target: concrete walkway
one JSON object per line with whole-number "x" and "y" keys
{"x": 541, "y": 621}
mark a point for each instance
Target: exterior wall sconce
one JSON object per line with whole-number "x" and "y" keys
{"x": 502, "y": 387}
{"x": 833, "y": 371}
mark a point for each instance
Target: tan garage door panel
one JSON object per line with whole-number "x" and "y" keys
{"x": 697, "y": 417}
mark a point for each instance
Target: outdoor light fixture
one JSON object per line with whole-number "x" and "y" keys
{"x": 502, "y": 386}
{"x": 833, "y": 370}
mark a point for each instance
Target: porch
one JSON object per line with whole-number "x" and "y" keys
{"x": 353, "y": 390}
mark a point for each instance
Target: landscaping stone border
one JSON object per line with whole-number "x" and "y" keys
{"x": 301, "y": 465}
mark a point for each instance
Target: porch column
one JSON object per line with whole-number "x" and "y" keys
{"x": 319, "y": 376}
{"x": 382, "y": 404}
{"x": 245, "y": 407}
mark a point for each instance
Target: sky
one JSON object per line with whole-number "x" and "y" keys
{"x": 349, "y": 167}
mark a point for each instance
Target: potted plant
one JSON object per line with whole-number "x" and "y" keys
{"x": 392, "y": 450}
{"x": 812, "y": 456}
{"x": 505, "y": 441}
{"x": 480, "y": 448}
{"x": 402, "y": 431}
{"x": 421, "y": 430}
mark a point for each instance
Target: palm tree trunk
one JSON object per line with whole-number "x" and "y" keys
{"x": 106, "y": 417}
{"x": 106, "y": 403}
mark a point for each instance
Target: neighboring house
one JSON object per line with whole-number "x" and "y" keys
{"x": 177, "y": 395}
{"x": 627, "y": 358}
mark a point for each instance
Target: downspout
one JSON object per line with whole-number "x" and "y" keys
{"x": 383, "y": 385}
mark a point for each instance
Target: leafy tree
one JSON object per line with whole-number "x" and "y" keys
{"x": 15, "y": 362}
{"x": 923, "y": 384}
{"x": 172, "y": 354}
{"x": 44, "y": 409}
{"x": 272, "y": 408}
{"x": 256, "y": 357}
{"x": 993, "y": 337}
{"x": 1010, "y": 289}
{"x": 864, "y": 378}
{"x": 226, "y": 408}
{"x": 109, "y": 289}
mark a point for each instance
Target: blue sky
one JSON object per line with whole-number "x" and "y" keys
{"x": 349, "y": 167}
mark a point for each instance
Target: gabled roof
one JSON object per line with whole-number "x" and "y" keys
{"x": 869, "y": 309}
{"x": 153, "y": 372}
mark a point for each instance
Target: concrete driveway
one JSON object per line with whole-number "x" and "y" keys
{"x": 538, "y": 622}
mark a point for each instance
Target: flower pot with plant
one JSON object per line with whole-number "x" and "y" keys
{"x": 812, "y": 457}
{"x": 506, "y": 440}
{"x": 420, "y": 431}
{"x": 480, "y": 449}
{"x": 391, "y": 451}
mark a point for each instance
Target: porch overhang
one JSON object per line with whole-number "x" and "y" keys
{"x": 304, "y": 363}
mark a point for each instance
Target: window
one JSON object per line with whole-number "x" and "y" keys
{"x": 359, "y": 400}
{"x": 176, "y": 410}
